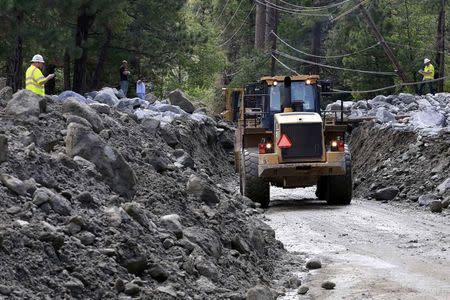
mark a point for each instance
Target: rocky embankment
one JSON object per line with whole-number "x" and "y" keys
{"x": 403, "y": 153}
{"x": 105, "y": 197}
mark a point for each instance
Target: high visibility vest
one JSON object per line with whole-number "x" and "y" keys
{"x": 35, "y": 81}
{"x": 429, "y": 68}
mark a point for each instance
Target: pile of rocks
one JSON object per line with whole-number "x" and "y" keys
{"x": 102, "y": 200}
{"x": 404, "y": 152}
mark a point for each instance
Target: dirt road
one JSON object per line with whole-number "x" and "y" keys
{"x": 369, "y": 249}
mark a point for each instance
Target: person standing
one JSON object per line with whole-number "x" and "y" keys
{"x": 140, "y": 89}
{"x": 428, "y": 75}
{"x": 34, "y": 79}
{"x": 124, "y": 73}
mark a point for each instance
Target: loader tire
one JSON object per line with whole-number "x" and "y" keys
{"x": 253, "y": 187}
{"x": 340, "y": 188}
{"x": 321, "y": 191}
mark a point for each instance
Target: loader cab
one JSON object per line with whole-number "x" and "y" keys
{"x": 272, "y": 95}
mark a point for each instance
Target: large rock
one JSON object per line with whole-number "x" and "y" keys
{"x": 435, "y": 206}
{"x": 14, "y": 184}
{"x": 6, "y": 94}
{"x": 260, "y": 293}
{"x": 129, "y": 104}
{"x": 425, "y": 200}
{"x": 72, "y": 106}
{"x": 384, "y": 116}
{"x": 26, "y": 106}
{"x": 3, "y": 148}
{"x": 427, "y": 119}
{"x": 81, "y": 141}
{"x": 57, "y": 202}
{"x": 207, "y": 239}
{"x": 107, "y": 96}
{"x": 444, "y": 186}
{"x": 388, "y": 193}
{"x": 66, "y": 95}
{"x": 173, "y": 224}
{"x": 336, "y": 106}
{"x": 178, "y": 98}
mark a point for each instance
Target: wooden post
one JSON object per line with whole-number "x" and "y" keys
{"x": 380, "y": 38}
{"x": 260, "y": 25}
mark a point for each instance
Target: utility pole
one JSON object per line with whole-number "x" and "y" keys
{"x": 440, "y": 47}
{"x": 271, "y": 27}
{"x": 380, "y": 38}
{"x": 260, "y": 25}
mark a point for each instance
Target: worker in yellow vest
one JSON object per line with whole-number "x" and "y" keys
{"x": 34, "y": 78}
{"x": 428, "y": 75}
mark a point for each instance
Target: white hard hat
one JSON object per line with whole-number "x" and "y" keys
{"x": 38, "y": 59}
{"x": 426, "y": 60}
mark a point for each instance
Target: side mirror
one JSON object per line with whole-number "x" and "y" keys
{"x": 326, "y": 85}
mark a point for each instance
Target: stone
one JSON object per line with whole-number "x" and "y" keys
{"x": 425, "y": 200}
{"x": 173, "y": 224}
{"x": 292, "y": 282}
{"x": 119, "y": 285}
{"x": 5, "y": 290}
{"x": 107, "y": 96}
{"x": 14, "y": 184}
{"x": 388, "y": 193}
{"x": 207, "y": 239}
{"x": 136, "y": 265}
{"x": 185, "y": 161}
{"x": 209, "y": 196}
{"x": 169, "y": 135}
{"x": 195, "y": 185}
{"x": 66, "y": 95}
{"x": 384, "y": 116}
{"x": 26, "y": 106}
{"x": 427, "y": 119}
{"x": 178, "y": 98}
{"x": 128, "y": 104}
{"x": 151, "y": 98}
{"x": 313, "y": 264}
{"x": 6, "y": 94}
{"x": 303, "y": 290}
{"x": 101, "y": 108}
{"x": 78, "y": 120}
{"x": 131, "y": 289}
{"x": 435, "y": 206}
{"x": 158, "y": 272}
{"x": 86, "y": 238}
{"x": 260, "y": 293}
{"x": 137, "y": 213}
{"x": 117, "y": 173}
{"x": 240, "y": 245}
{"x": 57, "y": 202}
{"x": 86, "y": 199}
{"x": 442, "y": 188}
{"x": 150, "y": 126}
{"x": 328, "y": 285}
{"x": 206, "y": 268}
{"x": 73, "y": 107}
{"x": 446, "y": 203}
{"x": 3, "y": 148}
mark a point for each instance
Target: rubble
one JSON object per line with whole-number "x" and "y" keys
{"x": 112, "y": 202}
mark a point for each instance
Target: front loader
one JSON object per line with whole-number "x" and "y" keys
{"x": 283, "y": 139}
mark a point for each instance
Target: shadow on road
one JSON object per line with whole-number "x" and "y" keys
{"x": 302, "y": 204}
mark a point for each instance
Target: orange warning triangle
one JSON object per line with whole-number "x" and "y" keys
{"x": 284, "y": 142}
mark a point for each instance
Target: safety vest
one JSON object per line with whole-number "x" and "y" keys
{"x": 35, "y": 81}
{"x": 429, "y": 68}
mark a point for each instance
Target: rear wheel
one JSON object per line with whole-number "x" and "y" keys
{"x": 252, "y": 186}
{"x": 339, "y": 189}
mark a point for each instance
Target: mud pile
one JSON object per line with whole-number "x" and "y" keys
{"x": 99, "y": 202}
{"x": 403, "y": 153}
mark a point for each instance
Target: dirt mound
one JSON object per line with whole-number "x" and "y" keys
{"x": 121, "y": 221}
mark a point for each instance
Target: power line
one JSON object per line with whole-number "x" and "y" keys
{"x": 333, "y": 67}
{"x": 234, "y": 15}
{"x": 291, "y": 11}
{"x": 221, "y": 13}
{"x": 324, "y": 57}
{"x": 348, "y": 12}
{"x": 315, "y": 7}
{"x": 240, "y": 27}
{"x": 285, "y": 66}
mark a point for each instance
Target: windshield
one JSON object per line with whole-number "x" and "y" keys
{"x": 301, "y": 91}
{"x": 275, "y": 98}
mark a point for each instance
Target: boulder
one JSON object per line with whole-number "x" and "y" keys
{"x": 3, "y": 148}
{"x": 388, "y": 193}
{"x": 150, "y": 126}
{"x": 81, "y": 141}
{"x": 427, "y": 119}
{"x": 65, "y": 96}
{"x": 178, "y": 98}
{"x": 425, "y": 200}
{"x": 406, "y": 98}
{"x": 435, "y": 206}
{"x": 14, "y": 184}
{"x": 336, "y": 106}
{"x": 151, "y": 98}
{"x": 26, "y": 106}
{"x": 128, "y": 104}
{"x": 6, "y": 94}
{"x": 442, "y": 188}
{"x": 169, "y": 135}
{"x": 260, "y": 293}
{"x": 57, "y": 202}
{"x": 72, "y": 106}
{"x": 173, "y": 224}
{"x": 313, "y": 264}
{"x": 207, "y": 239}
{"x": 384, "y": 116}
{"x": 101, "y": 108}
{"x": 328, "y": 285}
{"x": 107, "y": 96}
{"x": 445, "y": 203}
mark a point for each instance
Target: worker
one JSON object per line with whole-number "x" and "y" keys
{"x": 140, "y": 89}
{"x": 34, "y": 78}
{"x": 124, "y": 73}
{"x": 428, "y": 75}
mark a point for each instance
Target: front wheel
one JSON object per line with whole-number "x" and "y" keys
{"x": 252, "y": 186}
{"x": 339, "y": 189}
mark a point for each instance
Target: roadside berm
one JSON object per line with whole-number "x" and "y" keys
{"x": 402, "y": 150}
{"x": 108, "y": 198}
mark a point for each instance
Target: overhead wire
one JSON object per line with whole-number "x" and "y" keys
{"x": 284, "y": 65}
{"x": 291, "y": 11}
{"x": 221, "y": 13}
{"x": 332, "y": 67}
{"x": 324, "y": 7}
{"x": 240, "y": 27}
{"x": 324, "y": 57}
{"x": 347, "y": 12}
{"x": 231, "y": 19}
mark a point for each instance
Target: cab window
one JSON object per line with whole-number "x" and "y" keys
{"x": 300, "y": 91}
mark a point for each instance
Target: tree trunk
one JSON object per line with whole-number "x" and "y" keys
{"x": 316, "y": 46}
{"x": 14, "y": 70}
{"x": 102, "y": 57}
{"x": 271, "y": 25}
{"x": 440, "y": 45}
{"x": 84, "y": 23}
{"x": 67, "y": 84}
{"x": 260, "y": 25}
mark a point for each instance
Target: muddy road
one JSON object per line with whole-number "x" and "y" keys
{"x": 369, "y": 249}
